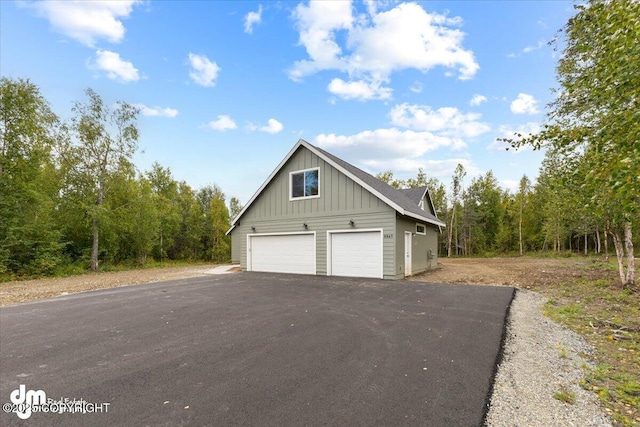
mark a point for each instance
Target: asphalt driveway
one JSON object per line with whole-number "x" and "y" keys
{"x": 259, "y": 349}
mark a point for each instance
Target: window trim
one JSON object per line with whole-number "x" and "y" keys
{"x": 293, "y": 199}
{"x": 424, "y": 233}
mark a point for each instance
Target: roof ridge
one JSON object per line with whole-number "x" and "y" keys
{"x": 394, "y": 194}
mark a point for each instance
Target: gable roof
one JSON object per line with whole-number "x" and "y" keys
{"x": 415, "y": 194}
{"x": 396, "y": 199}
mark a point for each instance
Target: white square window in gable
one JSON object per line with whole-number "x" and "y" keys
{"x": 304, "y": 184}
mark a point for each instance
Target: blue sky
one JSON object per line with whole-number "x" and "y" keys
{"x": 227, "y": 88}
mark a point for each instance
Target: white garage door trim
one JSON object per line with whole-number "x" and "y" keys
{"x": 309, "y": 266}
{"x": 378, "y": 273}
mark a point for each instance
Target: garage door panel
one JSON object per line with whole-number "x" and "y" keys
{"x": 293, "y": 253}
{"x": 356, "y": 254}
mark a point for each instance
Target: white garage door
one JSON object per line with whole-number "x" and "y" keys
{"x": 290, "y": 253}
{"x": 356, "y": 254}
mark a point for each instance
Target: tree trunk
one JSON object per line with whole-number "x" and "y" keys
{"x": 586, "y": 241}
{"x": 95, "y": 225}
{"x": 598, "y": 243}
{"x": 450, "y": 234}
{"x": 631, "y": 267}
{"x": 455, "y": 238}
{"x": 520, "y": 231}
{"x": 606, "y": 241}
{"x": 617, "y": 243}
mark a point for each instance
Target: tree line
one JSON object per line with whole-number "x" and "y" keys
{"x": 587, "y": 196}
{"x": 71, "y": 196}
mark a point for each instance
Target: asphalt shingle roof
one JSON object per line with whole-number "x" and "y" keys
{"x": 414, "y": 194}
{"x": 399, "y": 197}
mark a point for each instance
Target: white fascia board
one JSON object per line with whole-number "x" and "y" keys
{"x": 424, "y": 219}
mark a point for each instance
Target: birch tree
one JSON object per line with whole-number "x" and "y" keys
{"x": 102, "y": 141}
{"x": 596, "y": 114}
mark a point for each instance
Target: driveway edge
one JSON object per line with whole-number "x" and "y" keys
{"x": 505, "y": 328}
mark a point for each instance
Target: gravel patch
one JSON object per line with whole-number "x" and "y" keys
{"x": 541, "y": 358}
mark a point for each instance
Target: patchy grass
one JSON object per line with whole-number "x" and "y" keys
{"x": 84, "y": 268}
{"x": 565, "y": 396}
{"x": 594, "y": 305}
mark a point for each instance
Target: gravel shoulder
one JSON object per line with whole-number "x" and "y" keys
{"x": 540, "y": 359}
{"x": 31, "y": 290}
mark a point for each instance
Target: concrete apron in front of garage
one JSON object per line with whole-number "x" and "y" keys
{"x": 260, "y": 349}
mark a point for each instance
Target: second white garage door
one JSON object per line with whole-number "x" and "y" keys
{"x": 355, "y": 254}
{"x": 282, "y": 253}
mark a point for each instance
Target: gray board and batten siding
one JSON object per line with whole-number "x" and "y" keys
{"x": 340, "y": 201}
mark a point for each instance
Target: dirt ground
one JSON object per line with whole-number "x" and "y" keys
{"x": 31, "y": 290}
{"x": 529, "y": 273}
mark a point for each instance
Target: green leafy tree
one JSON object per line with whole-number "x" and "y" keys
{"x": 485, "y": 213}
{"x": 388, "y": 178}
{"x": 30, "y": 242}
{"x": 234, "y": 207}
{"x": 596, "y": 114}
{"x": 456, "y": 188}
{"x": 166, "y": 197}
{"x": 102, "y": 141}
{"x": 523, "y": 192}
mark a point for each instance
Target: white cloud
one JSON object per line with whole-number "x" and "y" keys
{"x": 537, "y": 46}
{"x": 317, "y": 24}
{"x": 360, "y": 90}
{"x": 251, "y": 19}
{"x": 528, "y": 49}
{"x": 407, "y": 168}
{"x": 524, "y": 104}
{"x": 272, "y": 127}
{"x": 87, "y": 21}
{"x": 416, "y": 87}
{"x": 389, "y": 143}
{"x": 447, "y": 121}
{"x": 114, "y": 67}
{"x": 510, "y": 185}
{"x": 203, "y": 71}
{"x": 378, "y": 43}
{"x": 516, "y": 133}
{"x": 157, "y": 111}
{"x": 223, "y": 123}
{"x": 477, "y": 100}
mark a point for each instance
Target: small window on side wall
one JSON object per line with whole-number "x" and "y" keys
{"x": 304, "y": 184}
{"x": 421, "y": 229}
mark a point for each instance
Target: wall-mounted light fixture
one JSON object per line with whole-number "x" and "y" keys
{"x": 253, "y": 228}
{"x": 351, "y": 223}
{"x": 304, "y": 224}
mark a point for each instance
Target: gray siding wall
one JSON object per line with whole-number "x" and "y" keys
{"x": 341, "y": 199}
{"x": 235, "y": 247}
{"x": 420, "y": 246}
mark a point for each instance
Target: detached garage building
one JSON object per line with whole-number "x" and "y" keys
{"x": 317, "y": 214}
